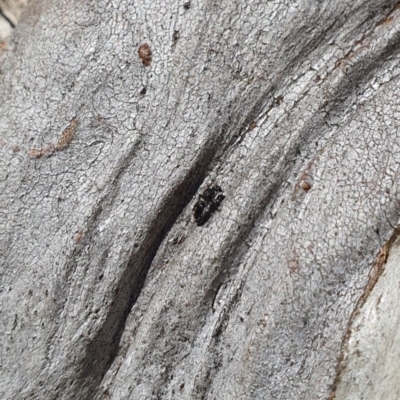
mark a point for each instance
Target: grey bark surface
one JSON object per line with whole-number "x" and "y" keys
{"x": 109, "y": 290}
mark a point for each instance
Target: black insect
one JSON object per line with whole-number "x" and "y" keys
{"x": 208, "y": 202}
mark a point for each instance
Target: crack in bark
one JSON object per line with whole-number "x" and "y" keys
{"x": 103, "y": 349}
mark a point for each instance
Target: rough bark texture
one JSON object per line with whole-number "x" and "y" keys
{"x": 114, "y": 116}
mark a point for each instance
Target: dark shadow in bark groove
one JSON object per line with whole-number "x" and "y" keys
{"x": 101, "y": 352}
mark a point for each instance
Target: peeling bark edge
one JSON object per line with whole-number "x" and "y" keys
{"x": 6, "y": 18}
{"x": 378, "y": 266}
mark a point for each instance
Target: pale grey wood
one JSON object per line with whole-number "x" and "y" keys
{"x": 10, "y": 12}
{"x": 109, "y": 290}
{"x": 372, "y": 353}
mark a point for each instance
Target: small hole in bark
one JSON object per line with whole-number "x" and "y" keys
{"x": 175, "y": 37}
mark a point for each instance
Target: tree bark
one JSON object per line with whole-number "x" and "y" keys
{"x": 116, "y": 116}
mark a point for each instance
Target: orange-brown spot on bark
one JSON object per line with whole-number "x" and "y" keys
{"x": 78, "y": 236}
{"x": 384, "y": 21}
{"x": 63, "y": 141}
{"x": 16, "y": 149}
{"x": 37, "y": 153}
{"x": 305, "y": 186}
{"x": 252, "y": 125}
{"x": 145, "y": 54}
{"x": 67, "y": 135}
